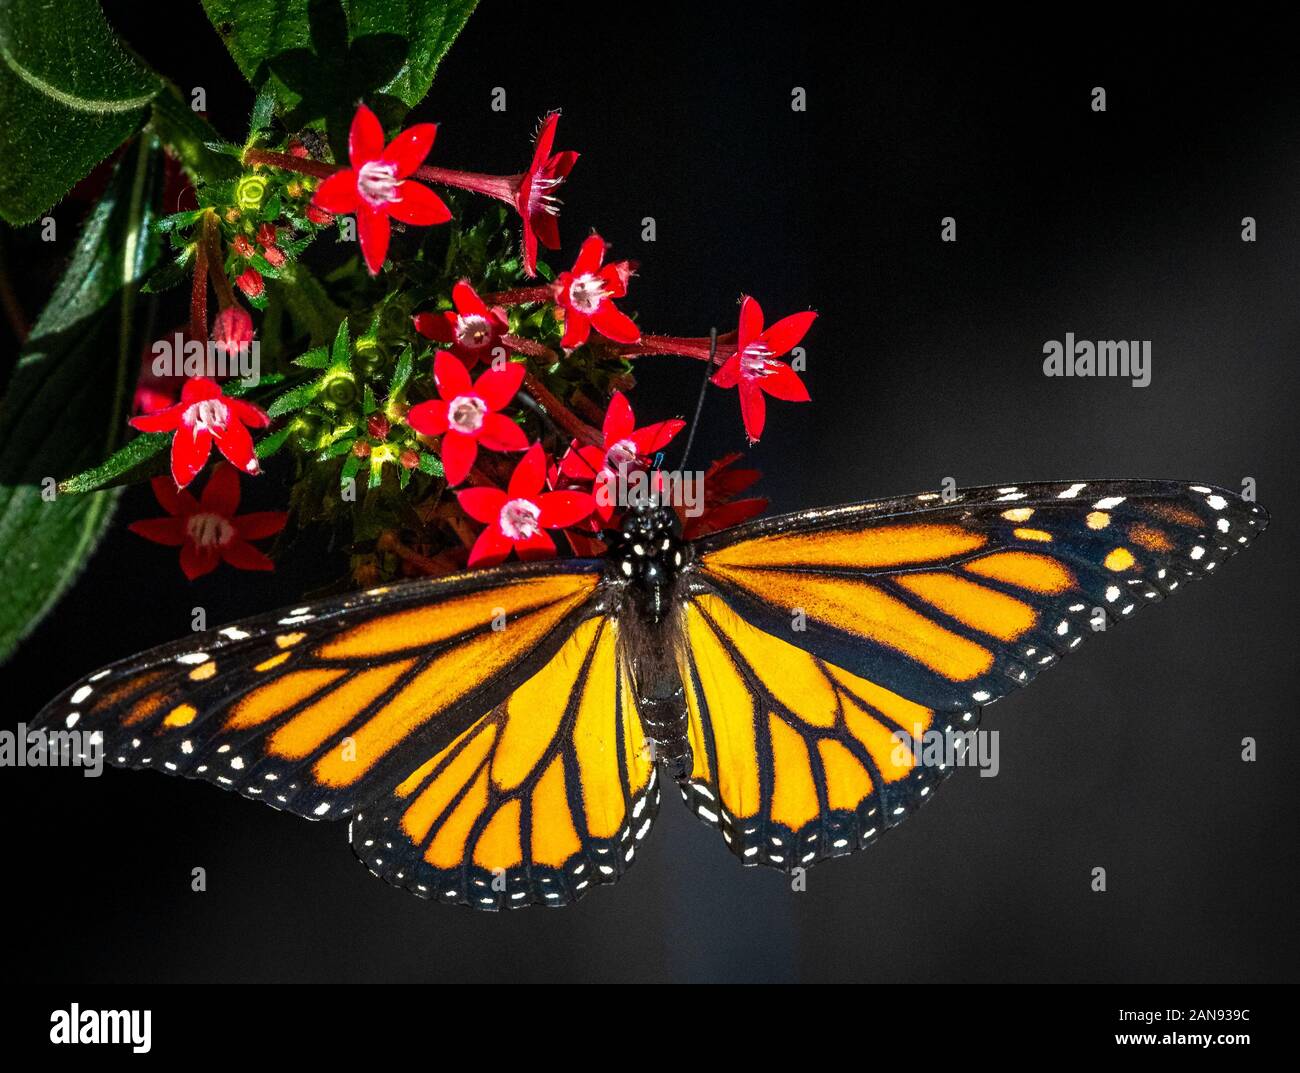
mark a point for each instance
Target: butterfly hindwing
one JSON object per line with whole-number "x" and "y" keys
{"x": 321, "y": 708}
{"x": 544, "y": 796}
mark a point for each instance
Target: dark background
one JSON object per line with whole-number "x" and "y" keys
{"x": 925, "y": 363}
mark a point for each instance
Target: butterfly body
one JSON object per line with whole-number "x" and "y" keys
{"x": 497, "y": 738}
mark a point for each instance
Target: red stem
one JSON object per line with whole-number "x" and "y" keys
{"x": 303, "y": 165}
{"x": 501, "y": 187}
{"x": 559, "y": 413}
{"x": 216, "y": 263}
{"x": 519, "y": 296}
{"x": 199, "y": 293}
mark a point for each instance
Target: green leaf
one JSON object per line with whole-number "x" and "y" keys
{"x": 341, "y": 351}
{"x": 126, "y": 465}
{"x": 323, "y": 59}
{"x": 269, "y": 445}
{"x": 193, "y": 139}
{"x": 70, "y": 94}
{"x": 316, "y": 358}
{"x": 294, "y": 400}
{"x": 402, "y": 373}
{"x": 66, "y": 404}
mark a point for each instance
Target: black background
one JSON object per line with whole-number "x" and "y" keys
{"x": 925, "y": 363}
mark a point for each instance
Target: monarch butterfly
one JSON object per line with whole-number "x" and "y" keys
{"x": 498, "y": 738}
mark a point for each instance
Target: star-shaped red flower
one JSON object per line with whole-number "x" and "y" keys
{"x": 624, "y": 447}
{"x": 472, "y": 329}
{"x": 207, "y": 530}
{"x": 466, "y": 414}
{"x": 586, "y": 293}
{"x": 205, "y": 416}
{"x": 535, "y": 198}
{"x": 517, "y": 519}
{"x": 753, "y": 370}
{"x": 376, "y": 186}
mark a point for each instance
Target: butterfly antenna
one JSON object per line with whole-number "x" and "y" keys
{"x": 699, "y": 403}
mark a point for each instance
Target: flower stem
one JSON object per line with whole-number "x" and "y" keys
{"x": 199, "y": 294}
{"x": 670, "y": 344}
{"x": 553, "y": 408}
{"x": 501, "y": 187}
{"x": 519, "y": 296}
{"x": 304, "y": 166}
{"x": 216, "y": 263}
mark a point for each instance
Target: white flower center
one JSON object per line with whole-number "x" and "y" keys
{"x": 210, "y": 530}
{"x": 465, "y": 413}
{"x": 473, "y": 331}
{"x": 377, "y": 182}
{"x": 622, "y": 453}
{"x": 519, "y": 519}
{"x": 210, "y": 414}
{"x": 756, "y": 360}
{"x": 586, "y": 293}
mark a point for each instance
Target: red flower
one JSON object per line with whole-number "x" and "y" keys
{"x": 207, "y": 530}
{"x": 205, "y": 415}
{"x": 318, "y": 215}
{"x": 586, "y": 295}
{"x": 531, "y": 193}
{"x": 722, "y": 509}
{"x": 232, "y": 329}
{"x": 242, "y": 246}
{"x": 472, "y": 330}
{"x": 535, "y": 198}
{"x": 250, "y": 282}
{"x": 752, "y": 368}
{"x": 376, "y": 187}
{"x": 623, "y": 445}
{"x": 465, "y": 415}
{"x": 519, "y": 517}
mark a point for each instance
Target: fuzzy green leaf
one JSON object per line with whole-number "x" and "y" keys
{"x": 70, "y": 94}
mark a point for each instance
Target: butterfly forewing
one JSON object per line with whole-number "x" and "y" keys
{"x": 323, "y": 707}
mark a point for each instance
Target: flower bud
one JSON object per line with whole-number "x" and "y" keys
{"x": 377, "y": 425}
{"x": 232, "y": 329}
{"x": 250, "y": 282}
{"x": 242, "y": 246}
{"x": 266, "y": 234}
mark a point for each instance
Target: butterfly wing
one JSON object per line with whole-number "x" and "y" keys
{"x": 811, "y": 640}
{"x": 327, "y": 706}
{"x": 546, "y": 795}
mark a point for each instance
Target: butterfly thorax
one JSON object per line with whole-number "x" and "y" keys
{"x": 648, "y": 551}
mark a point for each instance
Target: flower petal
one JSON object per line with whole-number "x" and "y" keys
{"x": 590, "y": 256}
{"x": 237, "y": 445}
{"x": 483, "y": 504}
{"x": 259, "y": 524}
{"x": 243, "y": 556}
{"x": 221, "y": 494}
{"x": 582, "y": 463}
{"x": 499, "y": 433}
{"x": 619, "y": 419}
{"x": 530, "y": 475}
{"x": 249, "y": 413}
{"x": 450, "y": 375}
{"x": 409, "y": 148}
{"x": 428, "y": 418}
{"x": 614, "y": 324}
{"x": 174, "y": 501}
{"x": 440, "y": 327}
{"x": 466, "y": 299}
{"x": 563, "y": 509}
{"x": 545, "y": 139}
{"x": 547, "y": 228}
{"x": 753, "y": 409}
{"x": 163, "y": 421}
{"x": 338, "y": 193}
{"x": 786, "y": 332}
{"x": 190, "y": 450}
{"x": 169, "y": 531}
{"x": 199, "y": 389}
{"x": 782, "y": 382}
{"x": 577, "y": 328}
{"x": 374, "y": 231}
{"x": 656, "y": 437}
{"x": 417, "y": 204}
{"x": 490, "y": 548}
{"x": 458, "y": 454}
{"x": 365, "y": 138}
{"x": 529, "y": 244}
{"x": 538, "y": 546}
{"x": 497, "y": 387}
{"x": 751, "y": 322}
{"x": 728, "y": 373}
{"x": 196, "y": 561}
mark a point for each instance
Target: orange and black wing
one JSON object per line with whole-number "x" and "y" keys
{"x": 828, "y": 655}
{"x": 323, "y": 708}
{"x": 543, "y": 797}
